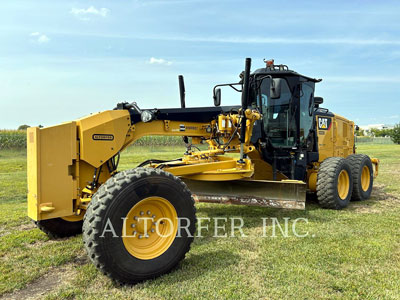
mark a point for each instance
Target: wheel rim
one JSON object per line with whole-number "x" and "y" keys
{"x": 150, "y": 228}
{"x": 365, "y": 178}
{"x": 343, "y": 184}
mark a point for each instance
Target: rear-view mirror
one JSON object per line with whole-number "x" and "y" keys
{"x": 275, "y": 92}
{"x": 318, "y": 100}
{"x": 217, "y": 97}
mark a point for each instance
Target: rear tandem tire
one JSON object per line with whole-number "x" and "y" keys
{"x": 334, "y": 183}
{"x": 59, "y": 228}
{"x": 131, "y": 195}
{"x": 363, "y": 176}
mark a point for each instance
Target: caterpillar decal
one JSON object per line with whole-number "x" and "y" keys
{"x": 324, "y": 123}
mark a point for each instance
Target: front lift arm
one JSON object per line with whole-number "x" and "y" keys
{"x": 68, "y": 162}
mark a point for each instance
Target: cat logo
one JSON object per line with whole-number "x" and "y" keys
{"x": 324, "y": 123}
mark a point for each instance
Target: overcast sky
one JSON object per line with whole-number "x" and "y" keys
{"x": 60, "y": 60}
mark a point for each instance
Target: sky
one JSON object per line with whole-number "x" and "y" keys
{"x": 61, "y": 60}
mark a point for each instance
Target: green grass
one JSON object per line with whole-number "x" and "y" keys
{"x": 354, "y": 253}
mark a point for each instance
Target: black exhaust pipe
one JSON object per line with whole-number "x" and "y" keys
{"x": 182, "y": 91}
{"x": 245, "y": 101}
{"x": 182, "y": 94}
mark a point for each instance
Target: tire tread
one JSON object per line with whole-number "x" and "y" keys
{"x": 97, "y": 207}
{"x": 355, "y": 161}
{"x": 326, "y": 189}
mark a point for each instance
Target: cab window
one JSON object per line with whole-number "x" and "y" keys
{"x": 278, "y": 115}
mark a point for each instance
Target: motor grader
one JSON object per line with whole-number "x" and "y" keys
{"x": 271, "y": 150}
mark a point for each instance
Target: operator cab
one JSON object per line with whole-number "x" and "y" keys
{"x": 286, "y": 134}
{"x": 287, "y": 131}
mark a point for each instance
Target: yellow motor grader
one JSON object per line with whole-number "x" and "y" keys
{"x": 137, "y": 224}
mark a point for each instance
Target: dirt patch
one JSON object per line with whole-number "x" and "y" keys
{"x": 22, "y": 227}
{"x": 47, "y": 283}
{"x": 379, "y": 201}
{"x": 27, "y": 226}
{"x": 40, "y": 243}
{"x": 81, "y": 260}
{"x": 4, "y": 232}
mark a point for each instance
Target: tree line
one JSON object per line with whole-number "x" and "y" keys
{"x": 393, "y": 133}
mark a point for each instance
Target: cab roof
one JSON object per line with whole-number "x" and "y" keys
{"x": 281, "y": 71}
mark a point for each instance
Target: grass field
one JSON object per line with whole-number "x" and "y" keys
{"x": 354, "y": 253}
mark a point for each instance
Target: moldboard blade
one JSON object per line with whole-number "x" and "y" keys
{"x": 290, "y": 194}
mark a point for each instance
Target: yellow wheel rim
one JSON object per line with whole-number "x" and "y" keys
{"x": 365, "y": 178}
{"x": 150, "y": 228}
{"x": 343, "y": 185}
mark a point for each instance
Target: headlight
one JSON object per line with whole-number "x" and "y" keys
{"x": 146, "y": 116}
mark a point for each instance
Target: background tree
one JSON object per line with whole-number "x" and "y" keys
{"x": 23, "y": 127}
{"x": 360, "y": 132}
{"x": 381, "y": 132}
{"x": 396, "y": 134}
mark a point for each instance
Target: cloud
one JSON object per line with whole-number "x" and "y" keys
{"x": 43, "y": 39}
{"x": 159, "y": 61}
{"x": 39, "y": 38}
{"x": 83, "y": 13}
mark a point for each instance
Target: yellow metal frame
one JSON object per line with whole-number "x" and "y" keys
{"x": 375, "y": 166}
{"x": 52, "y": 186}
{"x": 336, "y": 140}
{"x": 63, "y": 159}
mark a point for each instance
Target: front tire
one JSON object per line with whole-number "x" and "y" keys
{"x": 334, "y": 183}
{"x": 363, "y": 176}
{"x": 135, "y": 250}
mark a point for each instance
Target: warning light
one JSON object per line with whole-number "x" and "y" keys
{"x": 269, "y": 62}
